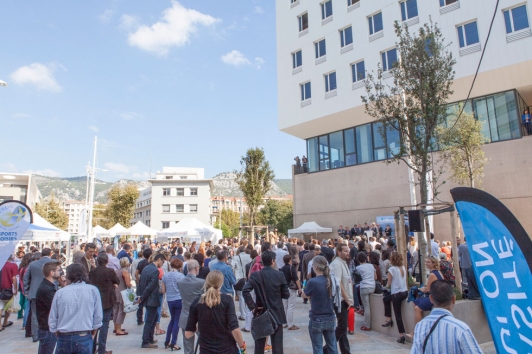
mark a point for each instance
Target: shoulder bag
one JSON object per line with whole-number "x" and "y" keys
{"x": 263, "y": 325}
{"x": 430, "y": 332}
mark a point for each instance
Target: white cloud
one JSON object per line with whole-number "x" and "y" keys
{"x": 93, "y": 128}
{"x": 258, "y": 10}
{"x": 117, "y": 167}
{"x": 129, "y": 22}
{"x": 173, "y": 30}
{"x": 140, "y": 175}
{"x": 129, "y": 115}
{"x": 106, "y": 16}
{"x": 46, "y": 172}
{"x": 259, "y": 62}
{"x": 235, "y": 58}
{"x": 39, "y": 75}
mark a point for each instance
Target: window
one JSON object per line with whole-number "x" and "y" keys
{"x": 359, "y": 71}
{"x": 183, "y": 177}
{"x": 323, "y": 142}
{"x": 297, "y": 59}
{"x": 326, "y": 9}
{"x": 375, "y": 23}
{"x": 352, "y": 2}
{"x": 330, "y": 81}
{"x": 179, "y": 208}
{"x": 166, "y": 224}
{"x": 140, "y": 214}
{"x": 447, "y": 2}
{"x": 350, "y": 152}
{"x": 148, "y": 212}
{"x": 168, "y": 177}
{"x": 408, "y": 9}
{"x": 166, "y": 191}
{"x": 303, "y": 22}
{"x": 193, "y": 191}
{"x": 336, "y": 141}
{"x": 346, "y": 36}
{"x": 312, "y": 154}
{"x": 148, "y": 222}
{"x": 193, "y": 208}
{"x": 516, "y": 19}
{"x": 320, "y": 48}
{"x": 305, "y": 91}
{"x": 388, "y": 59}
{"x": 166, "y": 208}
{"x": 468, "y": 34}
{"x": 364, "y": 144}
{"x": 180, "y": 191}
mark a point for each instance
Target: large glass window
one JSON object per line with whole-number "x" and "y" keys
{"x": 468, "y": 34}
{"x": 364, "y": 144}
{"x": 312, "y": 154}
{"x": 350, "y": 151}
{"x": 346, "y": 36}
{"x": 375, "y": 23}
{"x": 516, "y": 19}
{"x": 330, "y": 81}
{"x": 305, "y": 91}
{"x": 326, "y": 9}
{"x": 303, "y": 22}
{"x": 499, "y": 114}
{"x": 408, "y": 9}
{"x": 393, "y": 141}
{"x": 358, "y": 71}
{"x": 379, "y": 144}
{"x": 323, "y": 142}
{"x": 320, "y": 48}
{"x": 388, "y": 59}
{"x": 297, "y": 59}
{"x": 336, "y": 141}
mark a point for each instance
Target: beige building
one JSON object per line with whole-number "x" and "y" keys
{"x": 75, "y": 210}
{"x": 324, "y": 51}
{"x": 21, "y": 187}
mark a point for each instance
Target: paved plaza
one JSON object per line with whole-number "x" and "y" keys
{"x": 295, "y": 342}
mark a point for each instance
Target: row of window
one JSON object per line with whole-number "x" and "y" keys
{"x": 366, "y": 143}
{"x": 144, "y": 203}
{"x": 179, "y": 192}
{"x": 172, "y": 177}
{"x": 139, "y": 214}
{"x": 180, "y": 208}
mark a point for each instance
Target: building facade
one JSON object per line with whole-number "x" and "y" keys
{"x": 21, "y": 187}
{"x": 324, "y": 52}
{"x": 175, "y": 193}
{"x": 74, "y": 209}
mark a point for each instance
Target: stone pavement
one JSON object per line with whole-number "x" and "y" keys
{"x": 295, "y": 342}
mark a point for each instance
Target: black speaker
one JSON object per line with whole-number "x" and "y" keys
{"x": 415, "y": 221}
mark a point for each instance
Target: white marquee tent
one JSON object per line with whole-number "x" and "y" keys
{"x": 139, "y": 229}
{"x": 310, "y": 228}
{"x": 191, "y": 229}
{"x": 42, "y": 231}
{"x": 98, "y": 232}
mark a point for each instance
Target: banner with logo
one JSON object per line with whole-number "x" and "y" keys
{"x": 501, "y": 254}
{"x": 15, "y": 218}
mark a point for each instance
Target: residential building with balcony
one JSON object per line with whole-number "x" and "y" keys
{"x": 75, "y": 209}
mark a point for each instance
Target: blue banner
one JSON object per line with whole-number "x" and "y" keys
{"x": 496, "y": 241}
{"x": 15, "y": 218}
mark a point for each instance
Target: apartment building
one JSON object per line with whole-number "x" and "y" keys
{"x": 175, "y": 193}
{"x": 325, "y": 50}
{"x": 75, "y": 209}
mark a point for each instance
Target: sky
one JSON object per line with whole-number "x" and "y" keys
{"x": 189, "y": 83}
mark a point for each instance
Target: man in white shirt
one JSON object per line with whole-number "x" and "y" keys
{"x": 239, "y": 267}
{"x": 280, "y": 253}
{"x": 373, "y": 243}
{"x": 114, "y": 263}
{"x": 435, "y": 248}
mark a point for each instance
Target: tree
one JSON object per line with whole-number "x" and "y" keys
{"x": 277, "y": 213}
{"x": 52, "y": 212}
{"x": 462, "y": 148}
{"x": 226, "y": 232}
{"x": 254, "y": 180}
{"x": 416, "y": 104}
{"x": 121, "y": 204}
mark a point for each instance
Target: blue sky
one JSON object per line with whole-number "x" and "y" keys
{"x": 189, "y": 83}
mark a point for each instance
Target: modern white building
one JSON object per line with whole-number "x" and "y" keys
{"x": 325, "y": 50}
{"x": 175, "y": 193}
{"x": 21, "y": 187}
{"x": 74, "y": 210}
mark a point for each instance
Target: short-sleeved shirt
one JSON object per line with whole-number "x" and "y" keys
{"x": 321, "y": 304}
{"x": 170, "y": 280}
{"x": 215, "y": 325}
{"x": 141, "y": 265}
{"x": 367, "y": 271}
{"x": 9, "y": 270}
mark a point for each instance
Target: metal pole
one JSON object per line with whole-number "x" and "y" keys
{"x": 91, "y": 199}
{"x": 456, "y": 268}
{"x": 400, "y": 239}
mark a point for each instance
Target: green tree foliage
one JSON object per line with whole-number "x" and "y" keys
{"x": 52, "y": 212}
{"x": 254, "y": 179}
{"x": 277, "y": 213}
{"x": 226, "y": 231}
{"x": 121, "y": 204}
{"x": 232, "y": 220}
{"x": 99, "y": 216}
{"x": 462, "y": 148}
{"x": 415, "y": 104}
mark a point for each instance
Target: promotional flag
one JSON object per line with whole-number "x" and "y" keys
{"x": 15, "y": 218}
{"x": 501, "y": 257}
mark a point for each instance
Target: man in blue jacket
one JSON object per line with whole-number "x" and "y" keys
{"x": 227, "y": 271}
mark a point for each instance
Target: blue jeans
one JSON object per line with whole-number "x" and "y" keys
{"x": 149, "y": 324}
{"x": 27, "y": 307}
{"x": 104, "y": 329}
{"x": 319, "y": 330}
{"x": 47, "y": 342}
{"x": 173, "y": 327}
{"x": 74, "y": 344}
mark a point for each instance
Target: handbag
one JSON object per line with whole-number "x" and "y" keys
{"x": 128, "y": 297}
{"x": 379, "y": 289}
{"x": 263, "y": 325}
{"x": 6, "y": 294}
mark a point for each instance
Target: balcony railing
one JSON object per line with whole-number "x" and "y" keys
{"x": 299, "y": 169}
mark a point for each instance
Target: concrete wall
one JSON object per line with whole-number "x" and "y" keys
{"x": 359, "y": 193}
{"x": 469, "y": 311}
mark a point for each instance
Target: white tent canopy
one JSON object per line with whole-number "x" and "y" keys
{"x": 98, "y": 231}
{"x": 139, "y": 229}
{"x": 41, "y": 230}
{"x": 309, "y": 228}
{"x": 191, "y": 229}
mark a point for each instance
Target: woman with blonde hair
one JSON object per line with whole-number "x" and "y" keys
{"x": 213, "y": 315}
{"x": 125, "y": 283}
{"x": 398, "y": 291}
{"x": 423, "y": 303}
{"x": 201, "y": 249}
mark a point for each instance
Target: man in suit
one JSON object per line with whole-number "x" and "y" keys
{"x": 190, "y": 288}
{"x": 272, "y": 282}
{"x": 149, "y": 296}
{"x": 327, "y": 252}
{"x": 32, "y": 280}
{"x": 87, "y": 261}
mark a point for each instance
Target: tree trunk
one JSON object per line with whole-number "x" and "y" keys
{"x": 421, "y": 241}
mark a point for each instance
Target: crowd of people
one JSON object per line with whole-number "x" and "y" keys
{"x": 196, "y": 286}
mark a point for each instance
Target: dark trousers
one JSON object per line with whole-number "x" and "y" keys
{"x": 34, "y": 323}
{"x": 104, "y": 329}
{"x": 149, "y": 325}
{"x": 276, "y": 340}
{"x": 397, "y": 299}
{"x": 140, "y": 313}
{"x": 472, "y": 285}
{"x": 28, "y": 322}
{"x": 341, "y": 330}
